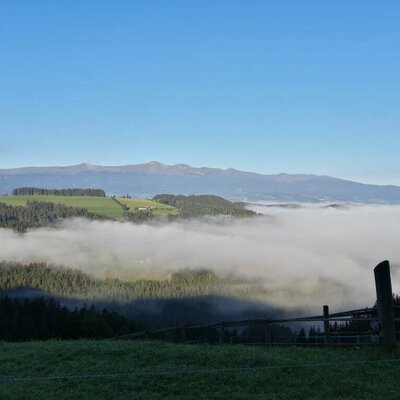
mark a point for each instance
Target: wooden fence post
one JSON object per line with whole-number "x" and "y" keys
{"x": 384, "y": 298}
{"x": 325, "y": 309}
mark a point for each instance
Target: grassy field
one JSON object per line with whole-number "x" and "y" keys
{"x": 99, "y": 205}
{"x": 157, "y": 208}
{"x": 208, "y": 380}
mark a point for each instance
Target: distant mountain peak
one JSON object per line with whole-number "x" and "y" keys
{"x": 155, "y": 163}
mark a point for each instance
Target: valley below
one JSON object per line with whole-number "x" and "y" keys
{"x": 200, "y": 252}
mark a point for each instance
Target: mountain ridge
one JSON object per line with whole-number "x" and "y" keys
{"x": 151, "y": 166}
{"x": 154, "y": 177}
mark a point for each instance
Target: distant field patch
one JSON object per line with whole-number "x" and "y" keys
{"x": 99, "y": 205}
{"x": 154, "y": 206}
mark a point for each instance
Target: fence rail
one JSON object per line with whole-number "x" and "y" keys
{"x": 365, "y": 326}
{"x": 259, "y": 331}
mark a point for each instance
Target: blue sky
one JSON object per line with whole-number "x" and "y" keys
{"x": 269, "y": 86}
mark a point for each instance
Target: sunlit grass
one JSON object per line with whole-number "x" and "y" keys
{"x": 100, "y": 205}
{"x": 154, "y": 206}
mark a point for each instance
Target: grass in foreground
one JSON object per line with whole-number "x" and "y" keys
{"x": 41, "y": 359}
{"x": 99, "y": 205}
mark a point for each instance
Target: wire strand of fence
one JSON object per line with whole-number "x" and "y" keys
{"x": 12, "y": 379}
{"x": 345, "y": 316}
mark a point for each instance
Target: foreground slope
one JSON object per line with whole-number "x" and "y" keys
{"x": 98, "y": 370}
{"x": 147, "y": 180}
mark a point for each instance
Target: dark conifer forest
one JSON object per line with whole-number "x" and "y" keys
{"x": 31, "y": 191}
{"x": 187, "y": 297}
{"x": 40, "y": 319}
{"x": 73, "y": 283}
{"x": 38, "y": 214}
{"x": 197, "y": 206}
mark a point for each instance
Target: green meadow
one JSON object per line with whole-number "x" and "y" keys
{"x": 99, "y": 205}
{"x": 157, "y": 208}
{"x": 105, "y": 206}
{"x": 100, "y": 370}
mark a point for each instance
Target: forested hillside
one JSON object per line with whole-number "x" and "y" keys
{"x": 74, "y": 283}
{"x": 31, "y": 207}
{"x": 38, "y": 214}
{"x": 31, "y": 191}
{"x": 104, "y": 206}
{"x": 197, "y": 206}
{"x": 140, "y": 216}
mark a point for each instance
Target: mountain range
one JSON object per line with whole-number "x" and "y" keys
{"x": 149, "y": 179}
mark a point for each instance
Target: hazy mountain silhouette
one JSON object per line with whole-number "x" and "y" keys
{"x": 147, "y": 180}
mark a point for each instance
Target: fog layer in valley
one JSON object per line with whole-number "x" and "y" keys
{"x": 305, "y": 257}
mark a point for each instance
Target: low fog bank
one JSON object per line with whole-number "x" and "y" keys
{"x": 305, "y": 257}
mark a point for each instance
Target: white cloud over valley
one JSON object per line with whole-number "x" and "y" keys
{"x": 304, "y": 257}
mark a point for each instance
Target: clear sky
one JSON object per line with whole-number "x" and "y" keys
{"x": 268, "y": 86}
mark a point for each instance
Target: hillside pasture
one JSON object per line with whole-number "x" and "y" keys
{"x": 99, "y": 205}
{"x": 154, "y": 206}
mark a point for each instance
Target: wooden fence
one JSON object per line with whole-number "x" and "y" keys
{"x": 375, "y": 325}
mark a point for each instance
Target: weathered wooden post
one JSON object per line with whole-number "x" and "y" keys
{"x": 384, "y": 297}
{"x": 325, "y": 310}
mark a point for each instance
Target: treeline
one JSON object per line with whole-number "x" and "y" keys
{"x": 31, "y": 191}
{"x": 140, "y": 216}
{"x": 41, "y": 319}
{"x": 73, "y": 283}
{"x": 197, "y": 206}
{"x": 358, "y": 325}
{"x": 346, "y": 332}
{"x": 38, "y": 214}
